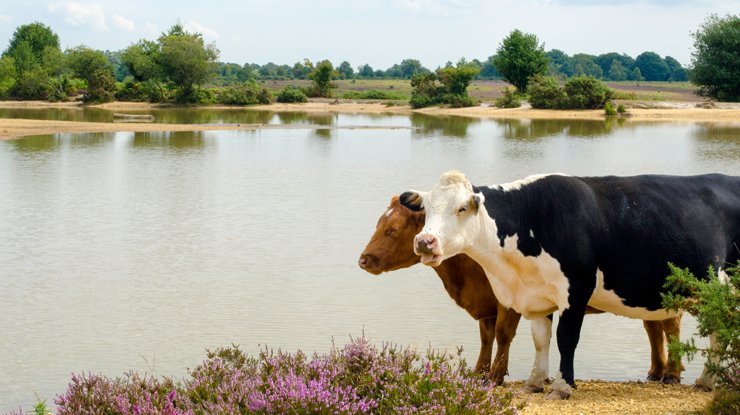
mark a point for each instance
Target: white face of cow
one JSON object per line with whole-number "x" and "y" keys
{"x": 452, "y": 223}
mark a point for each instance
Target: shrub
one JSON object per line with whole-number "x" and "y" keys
{"x": 131, "y": 91}
{"x": 374, "y": 94}
{"x": 609, "y": 108}
{"x": 424, "y": 90}
{"x": 246, "y": 93}
{"x": 586, "y": 92}
{"x": 545, "y": 93}
{"x": 100, "y": 87}
{"x": 621, "y": 109}
{"x": 508, "y": 100}
{"x": 291, "y": 94}
{"x": 715, "y": 306}
{"x": 356, "y": 379}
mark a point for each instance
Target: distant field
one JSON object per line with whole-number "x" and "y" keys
{"x": 488, "y": 91}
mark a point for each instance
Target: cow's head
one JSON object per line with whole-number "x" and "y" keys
{"x": 392, "y": 245}
{"x": 452, "y": 224}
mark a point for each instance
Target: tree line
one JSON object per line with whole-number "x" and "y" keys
{"x": 176, "y": 65}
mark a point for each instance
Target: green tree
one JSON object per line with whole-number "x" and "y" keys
{"x": 34, "y": 49}
{"x": 345, "y": 70}
{"x": 93, "y": 67}
{"x": 676, "y": 72}
{"x": 186, "y": 61}
{"x": 301, "y": 70}
{"x": 652, "y": 66}
{"x": 716, "y": 58}
{"x": 455, "y": 81}
{"x": 322, "y": 76}
{"x": 606, "y": 60}
{"x": 617, "y": 71}
{"x": 519, "y": 57}
{"x": 84, "y": 61}
{"x": 365, "y": 71}
{"x": 636, "y": 75}
{"x": 7, "y": 76}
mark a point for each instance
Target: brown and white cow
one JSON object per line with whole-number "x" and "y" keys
{"x": 391, "y": 248}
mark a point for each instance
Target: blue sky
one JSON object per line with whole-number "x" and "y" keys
{"x": 378, "y": 32}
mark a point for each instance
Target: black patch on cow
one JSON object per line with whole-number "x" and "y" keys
{"x": 411, "y": 200}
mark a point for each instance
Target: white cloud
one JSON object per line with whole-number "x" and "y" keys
{"x": 193, "y": 26}
{"x": 5, "y": 18}
{"x": 442, "y": 8}
{"x": 124, "y": 23}
{"x": 78, "y": 15}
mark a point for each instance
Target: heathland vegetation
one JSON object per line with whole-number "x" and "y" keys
{"x": 181, "y": 67}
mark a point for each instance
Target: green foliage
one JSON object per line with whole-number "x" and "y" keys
{"x": 40, "y": 408}
{"x": 545, "y": 93}
{"x": 246, "y": 93}
{"x": 676, "y": 72}
{"x": 609, "y": 109}
{"x": 322, "y": 76}
{"x": 617, "y": 72}
{"x": 32, "y": 84}
{"x": 716, "y": 307}
{"x": 345, "y": 70}
{"x": 580, "y": 92}
{"x": 28, "y": 44}
{"x": 406, "y": 69}
{"x": 374, "y": 94}
{"x": 652, "y": 67}
{"x": 84, "y": 62}
{"x": 636, "y": 75}
{"x": 585, "y": 92}
{"x": 508, "y": 100}
{"x": 725, "y": 402}
{"x": 621, "y": 109}
{"x": 100, "y": 87}
{"x": 716, "y": 58}
{"x": 7, "y": 76}
{"x": 186, "y": 61}
{"x": 447, "y": 86}
{"x": 291, "y": 94}
{"x": 519, "y": 57}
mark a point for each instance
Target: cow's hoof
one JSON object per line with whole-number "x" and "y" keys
{"x": 532, "y": 388}
{"x": 654, "y": 378}
{"x": 705, "y": 382}
{"x": 560, "y": 390}
{"x": 670, "y": 380}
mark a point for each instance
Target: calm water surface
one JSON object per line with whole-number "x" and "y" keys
{"x": 139, "y": 251}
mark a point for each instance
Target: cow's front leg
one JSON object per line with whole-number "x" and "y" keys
{"x": 487, "y": 328}
{"x": 541, "y": 334}
{"x": 568, "y": 334}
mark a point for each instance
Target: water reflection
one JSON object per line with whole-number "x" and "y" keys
{"x": 51, "y": 142}
{"x": 172, "y": 139}
{"x": 304, "y": 118}
{"x": 717, "y": 142}
{"x": 429, "y": 125}
{"x": 523, "y": 129}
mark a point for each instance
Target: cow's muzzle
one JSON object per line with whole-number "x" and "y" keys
{"x": 427, "y": 246}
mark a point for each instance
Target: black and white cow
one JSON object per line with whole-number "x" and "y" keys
{"x": 557, "y": 242}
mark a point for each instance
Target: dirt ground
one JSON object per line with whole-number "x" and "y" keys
{"x": 596, "y": 397}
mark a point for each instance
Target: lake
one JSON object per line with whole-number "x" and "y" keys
{"x": 125, "y": 251}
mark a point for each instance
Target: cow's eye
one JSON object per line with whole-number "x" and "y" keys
{"x": 462, "y": 210}
{"x": 390, "y": 231}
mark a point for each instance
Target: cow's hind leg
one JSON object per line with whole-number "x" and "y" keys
{"x": 506, "y": 325}
{"x": 672, "y": 329}
{"x": 487, "y": 328}
{"x": 541, "y": 334}
{"x": 654, "y": 331}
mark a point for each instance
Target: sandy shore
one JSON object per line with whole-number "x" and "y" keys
{"x": 670, "y": 112}
{"x": 617, "y": 398}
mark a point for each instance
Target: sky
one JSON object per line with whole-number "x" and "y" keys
{"x": 377, "y": 32}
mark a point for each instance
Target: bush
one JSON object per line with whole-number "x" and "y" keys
{"x": 609, "y": 108}
{"x": 545, "y": 93}
{"x": 374, "y": 94}
{"x": 715, "y": 306}
{"x": 291, "y": 94}
{"x": 131, "y": 91}
{"x": 621, "y": 109}
{"x": 357, "y": 379}
{"x": 586, "y": 92}
{"x": 246, "y": 93}
{"x": 100, "y": 87}
{"x": 508, "y": 100}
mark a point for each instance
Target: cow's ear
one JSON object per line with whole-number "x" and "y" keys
{"x": 475, "y": 201}
{"x": 412, "y": 200}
